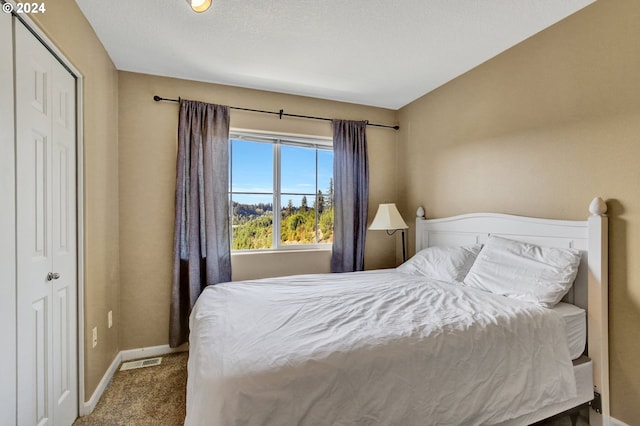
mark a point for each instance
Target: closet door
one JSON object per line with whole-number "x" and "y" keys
{"x": 64, "y": 288}
{"x": 46, "y": 236}
{"x": 7, "y": 227}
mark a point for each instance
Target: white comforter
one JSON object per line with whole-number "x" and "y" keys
{"x": 370, "y": 348}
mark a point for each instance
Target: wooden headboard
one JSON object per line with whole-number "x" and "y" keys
{"x": 590, "y": 290}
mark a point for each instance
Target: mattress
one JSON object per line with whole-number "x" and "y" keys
{"x": 370, "y": 348}
{"x": 575, "y": 321}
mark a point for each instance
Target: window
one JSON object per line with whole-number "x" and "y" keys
{"x": 292, "y": 177}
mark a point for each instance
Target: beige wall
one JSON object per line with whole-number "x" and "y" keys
{"x": 540, "y": 130}
{"x": 249, "y": 266}
{"x": 66, "y": 26}
{"x": 147, "y": 135}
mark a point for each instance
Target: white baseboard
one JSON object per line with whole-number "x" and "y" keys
{"x": 122, "y": 356}
{"x": 150, "y": 351}
{"x": 90, "y": 405}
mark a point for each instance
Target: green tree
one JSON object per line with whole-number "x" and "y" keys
{"x": 319, "y": 202}
{"x": 295, "y": 222}
{"x": 303, "y": 204}
{"x": 325, "y": 225}
{"x": 253, "y": 234}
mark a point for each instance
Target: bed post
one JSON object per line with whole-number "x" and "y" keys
{"x": 598, "y": 310}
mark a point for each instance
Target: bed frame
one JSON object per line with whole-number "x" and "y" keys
{"x": 590, "y": 290}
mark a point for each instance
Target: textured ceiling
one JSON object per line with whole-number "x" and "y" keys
{"x": 373, "y": 52}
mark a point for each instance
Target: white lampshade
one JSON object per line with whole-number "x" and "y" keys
{"x": 387, "y": 218}
{"x": 199, "y": 5}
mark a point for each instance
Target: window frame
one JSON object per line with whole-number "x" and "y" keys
{"x": 277, "y": 140}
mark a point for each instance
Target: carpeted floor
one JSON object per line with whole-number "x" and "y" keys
{"x": 156, "y": 396}
{"x": 564, "y": 421}
{"x": 144, "y": 397}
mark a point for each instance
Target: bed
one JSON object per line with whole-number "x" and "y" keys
{"x": 394, "y": 347}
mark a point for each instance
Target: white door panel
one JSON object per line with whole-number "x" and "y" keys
{"x": 33, "y": 204}
{"x": 65, "y": 378}
{"x": 46, "y": 236}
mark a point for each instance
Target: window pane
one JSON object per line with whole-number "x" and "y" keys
{"x": 325, "y": 196}
{"x": 298, "y": 220}
{"x": 251, "y": 166}
{"x": 325, "y": 170}
{"x": 325, "y": 218}
{"x": 298, "y": 170}
{"x": 305, "y": 191}
{"x": 252, "y": 222}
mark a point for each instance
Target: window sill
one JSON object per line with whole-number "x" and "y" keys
{"x": 281, "y": 251}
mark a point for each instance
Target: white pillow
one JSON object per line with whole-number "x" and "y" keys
{"x": 449, "y": 264}
{"x": 524, "y": 271}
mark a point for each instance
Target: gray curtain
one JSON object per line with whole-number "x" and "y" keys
{"x": 351, "y": 195}
{"x": 201, "y": 246}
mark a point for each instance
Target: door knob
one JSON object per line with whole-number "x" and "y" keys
{"x": 52, "y": 276}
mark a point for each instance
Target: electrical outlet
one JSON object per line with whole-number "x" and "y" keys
{"x": 95, "y": 336}
{"x": 110, "y": 318}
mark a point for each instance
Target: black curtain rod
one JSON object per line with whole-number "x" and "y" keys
{"x": 280, "y": 113}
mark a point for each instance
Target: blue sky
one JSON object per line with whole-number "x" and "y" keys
{"x": 252, "y": 171}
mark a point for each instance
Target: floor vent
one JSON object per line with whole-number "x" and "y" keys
{"x": 150, "y": 362}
